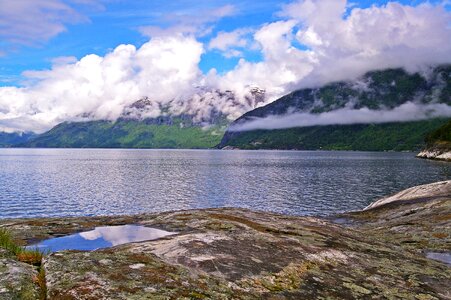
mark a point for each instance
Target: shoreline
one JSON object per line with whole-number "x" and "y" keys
{"x": 435, "y": 155}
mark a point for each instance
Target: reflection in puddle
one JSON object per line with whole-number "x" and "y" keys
{"x": 102, "y": 237}
{"x": 440, "y": 256}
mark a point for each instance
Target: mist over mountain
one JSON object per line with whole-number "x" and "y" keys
{"x": 205, "y": 107}
{"x": 328, "y": 62}
{"x": 377, "y": 97}
{"x": 148, "y": 124}
{"x": 390, "y": 96}
{"x": 305, "y": 44}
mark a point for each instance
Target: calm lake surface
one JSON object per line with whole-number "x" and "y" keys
{"x": 74, "y": 182}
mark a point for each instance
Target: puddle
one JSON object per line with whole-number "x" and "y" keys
{"x": 101, "y": 237}
{"x": 444, "y": 257}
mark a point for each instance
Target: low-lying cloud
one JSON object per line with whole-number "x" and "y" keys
{"x": 406, "y": 112}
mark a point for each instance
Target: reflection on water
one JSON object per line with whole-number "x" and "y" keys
{"x": 102, "y": 237}
{"x": 83, "y": 182}
{"x": 444, "y": 257}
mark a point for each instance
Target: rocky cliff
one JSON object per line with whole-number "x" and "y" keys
{"x": 438, "y": 144}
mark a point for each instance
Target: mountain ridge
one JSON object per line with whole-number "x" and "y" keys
{"x": 137, "y": 127}
{"x": 376, "y": 91}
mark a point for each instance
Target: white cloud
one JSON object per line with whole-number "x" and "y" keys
{"x": 342, "y": 48}
{"x": 157, "y": 31}
{"x": 335, "y": 47}
{"x": 30, "y": 22}
{"x": 197, "y": 23}
{"x": 118, "y": 235}
{"x": 388, "y": 36}
{"x": 63, "y": 60}
{"x": 163, "y": 68}
{"x": 230, "y": 53}
{"x": 314, "y": 12}
{"x": 283, "y": 64}
{"x": 229, "y": 42}
{"x": 406, "y": 112}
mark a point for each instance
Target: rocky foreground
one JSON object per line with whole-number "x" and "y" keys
{"x": 438, "y": 144}
{"x": 378, "y": 253}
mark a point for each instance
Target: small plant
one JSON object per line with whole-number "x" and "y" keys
{"x": 7, "y": 242}
{"x": 32, "y": 257}
{"x": 29, "y": 256}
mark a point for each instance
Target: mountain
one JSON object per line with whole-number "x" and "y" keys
{"x": 375, "y": 91}
{"x": 441, "y": 135}
{"x": 129, "y": 133}
{"x": 15, "y": 138}
{"x": 197, "y": 122}
{"x": 438, "y": 144}
{"x": 406, "y": 136}
{"x": 201, "y": 122}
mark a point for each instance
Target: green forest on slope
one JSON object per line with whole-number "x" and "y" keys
{"x": 440, "y": 139}
{"x": 127, "y": 134}
{"x": 377, "y": 90}
{"x": 442, "y": 134}
{"x": 409, "y": 136}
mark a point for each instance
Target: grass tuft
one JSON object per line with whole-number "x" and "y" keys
{"x": 29, "y": 256}
{"x": 7, "y": 242}
{"x": 32, "y": 257}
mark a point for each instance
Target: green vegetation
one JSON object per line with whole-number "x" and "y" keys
{"x": 29, "y": 256}
{"x": 7, "y": 242}
{"x": 128, "y": 134}
{"x": 385, "y": 89}
{"x": 442, "y": 134}
{"x": 366, "y": 137}
{"x": 377, "y": 90}
{"x": 439, "y": 141}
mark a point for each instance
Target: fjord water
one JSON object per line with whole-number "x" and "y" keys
{"x": 74, "y": 182}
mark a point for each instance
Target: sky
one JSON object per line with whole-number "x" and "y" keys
{"x": 63, "y": 59}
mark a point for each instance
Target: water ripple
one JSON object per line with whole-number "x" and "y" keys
{"x": 75, "y": 182}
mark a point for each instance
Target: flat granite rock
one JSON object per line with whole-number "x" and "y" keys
{"x": 227, "y": 253}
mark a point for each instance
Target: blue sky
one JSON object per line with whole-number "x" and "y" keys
{"x": 62, "y": 60}
{"x": 106, "y": 24}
